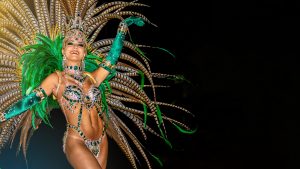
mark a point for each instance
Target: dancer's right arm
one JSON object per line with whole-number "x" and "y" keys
{"x": 36, "y": 96}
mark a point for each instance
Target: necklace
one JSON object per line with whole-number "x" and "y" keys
{"x": 73, "y": 68}
{"x": 75, "y": 72}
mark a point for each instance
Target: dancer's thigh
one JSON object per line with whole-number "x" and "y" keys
{"x": 102, "y": 158}
{"x": 79, "y": 156}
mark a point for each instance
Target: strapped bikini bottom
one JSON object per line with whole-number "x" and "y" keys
{"x": 92, "y": 145}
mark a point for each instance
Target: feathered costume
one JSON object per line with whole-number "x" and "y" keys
{"x": 30, "y": 49}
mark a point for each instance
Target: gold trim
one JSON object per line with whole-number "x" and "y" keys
{"x": 90, "y": 77}
{"x": 108, "y": 64}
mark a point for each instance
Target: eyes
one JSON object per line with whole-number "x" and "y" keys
{"x": 75, "y": 44}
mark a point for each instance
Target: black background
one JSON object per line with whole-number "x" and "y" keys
{"x": 241, "y": 58}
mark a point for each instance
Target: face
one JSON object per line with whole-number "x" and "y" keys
{"x": 74, "y": 47}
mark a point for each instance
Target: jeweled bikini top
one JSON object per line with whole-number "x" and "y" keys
{"x": 74, "y": 95}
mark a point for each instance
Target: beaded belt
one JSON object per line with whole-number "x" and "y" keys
{"x": 92, "y": 145}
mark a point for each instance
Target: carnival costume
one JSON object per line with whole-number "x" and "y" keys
{"x": 31, "y": 40}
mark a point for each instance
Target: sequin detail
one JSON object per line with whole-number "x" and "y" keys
{"x": 74, "y": 96}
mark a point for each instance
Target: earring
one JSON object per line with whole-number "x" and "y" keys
{"x": 64, "y": 61}
{"x": 82, "y": 65}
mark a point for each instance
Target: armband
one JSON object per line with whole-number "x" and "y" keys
{"x": 107, "y": 65}
{"x": 26, "y": 103}
{"x": 117, "y": 45}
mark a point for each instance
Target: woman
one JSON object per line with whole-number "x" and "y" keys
{"x": 85, "y": 128}
{"x": 83, "y": 77}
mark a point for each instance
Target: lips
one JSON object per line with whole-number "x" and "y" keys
{"x": 74, "y": 52}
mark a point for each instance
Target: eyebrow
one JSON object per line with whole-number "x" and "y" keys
{"x": 67, "y": 41}
{"x": 79, "y": 43}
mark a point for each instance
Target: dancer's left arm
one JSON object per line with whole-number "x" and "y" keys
{"x": 107, "y": 66}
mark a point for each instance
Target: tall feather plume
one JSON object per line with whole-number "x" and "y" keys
{"x": 46, "y": 16}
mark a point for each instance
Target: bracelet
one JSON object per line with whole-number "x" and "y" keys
{"x": 107, "y": 65}
{"x": 40, "y": 92}
{"x": 123, "y": 28}
{"x": 90, "y": 77}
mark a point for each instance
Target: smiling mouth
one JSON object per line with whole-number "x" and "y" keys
{"x": 76, "y": 53}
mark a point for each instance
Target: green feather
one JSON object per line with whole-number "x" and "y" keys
{"x": 145, "y": 114}
{"x": 185, "y": 131}
{"x": 159, "y": 115}
{"x": 165, "y": 50}
{"x": 160, "y": 120}
{"x": 157, "y": 160}
{"x": 142, "y": 79}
